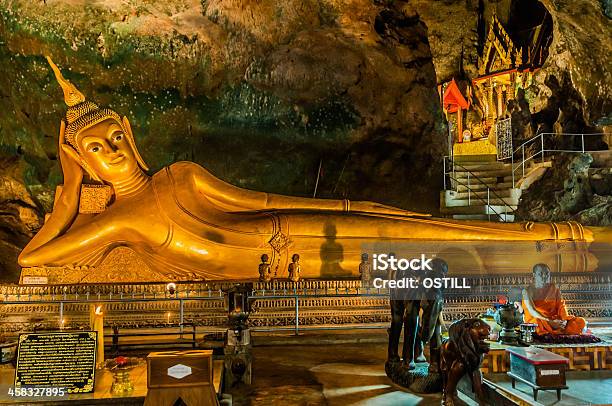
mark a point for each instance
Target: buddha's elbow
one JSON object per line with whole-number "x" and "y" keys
{"x": 27, "y": 259}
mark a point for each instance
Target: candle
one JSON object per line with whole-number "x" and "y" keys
{"x": 97, "y": 325}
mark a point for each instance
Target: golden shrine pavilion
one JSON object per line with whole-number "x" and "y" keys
{"x": 478, "y": 112}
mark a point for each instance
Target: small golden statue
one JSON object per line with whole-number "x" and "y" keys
{"x": 295, "y": 268}
{"x": 265, "y": 270}
{"x": 113, "y": 222}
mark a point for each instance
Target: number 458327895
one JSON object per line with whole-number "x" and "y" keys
{"x": 18, "y": 391}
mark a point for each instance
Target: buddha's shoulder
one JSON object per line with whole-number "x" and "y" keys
{"x": 186, "y": 167}
{"x": 182, "y": 169}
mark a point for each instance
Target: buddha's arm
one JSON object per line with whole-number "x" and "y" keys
{"x": 531, "y": 307}
{"x": 65, "y": 207}
{"x": 77, "y": 243}
{"x": 232, "y": 198}
{"x": 64, "y": 212}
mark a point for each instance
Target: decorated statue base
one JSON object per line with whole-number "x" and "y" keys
{"x": 417, "y": 380}
{"x": 122, "y": 265}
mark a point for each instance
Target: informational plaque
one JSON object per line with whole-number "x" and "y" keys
{"x": 57, "y": 360}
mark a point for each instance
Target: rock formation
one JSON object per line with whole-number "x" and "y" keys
{"x": 576, "y": 81}
{"x": 20, "y": 216}
{"x": 571, "y": 94}
{"x": 571, "y": 190}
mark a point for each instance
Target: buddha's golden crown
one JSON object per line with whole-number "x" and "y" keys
{"x": 81, "y": 113}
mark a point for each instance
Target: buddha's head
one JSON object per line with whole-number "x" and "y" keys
{"x": 98, "y": 139}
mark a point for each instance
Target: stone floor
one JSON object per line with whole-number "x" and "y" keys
{"x": 331, "y": 374}
{"x": 353, "y": 374}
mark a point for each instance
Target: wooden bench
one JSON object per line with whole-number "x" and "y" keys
{"x": 538, "y": 368}
{"x": 116, "y": 335}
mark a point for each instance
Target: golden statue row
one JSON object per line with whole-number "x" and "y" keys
{"x": 111, "y": 221}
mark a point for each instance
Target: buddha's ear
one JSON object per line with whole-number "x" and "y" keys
{"x": 130, "y": 138}
{"x": 72, "y": 154}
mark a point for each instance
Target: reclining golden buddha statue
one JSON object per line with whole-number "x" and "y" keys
{"x": 183, "y": 223}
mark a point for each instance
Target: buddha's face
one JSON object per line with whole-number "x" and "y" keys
{"x": 105, "y": 148}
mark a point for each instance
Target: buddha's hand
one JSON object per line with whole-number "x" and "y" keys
{"x": 71, "y": 168}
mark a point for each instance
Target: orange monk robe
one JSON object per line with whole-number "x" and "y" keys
{"x": 548, "y": 302}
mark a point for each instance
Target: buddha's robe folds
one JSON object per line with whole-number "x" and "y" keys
{"x": 548, "y": 302}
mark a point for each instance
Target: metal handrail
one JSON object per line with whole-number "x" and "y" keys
{"x": 542, "y": 151}
{"x": 529, "y": 140}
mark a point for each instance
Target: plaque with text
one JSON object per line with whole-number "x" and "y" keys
{"x": 57, "y": 360}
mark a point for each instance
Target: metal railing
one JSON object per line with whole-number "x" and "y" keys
{"x": 217, "y": 295}
{"x": 296, "y": 295}
{"x": 487, "y": 202}
{"x": 535, "y": 147}
{"x": 97, "y": 299}
{"x": 538, "y": 142}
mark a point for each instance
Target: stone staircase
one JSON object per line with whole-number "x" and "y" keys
{"x": 484, "y": 190}
{"x": 480, "y": 191}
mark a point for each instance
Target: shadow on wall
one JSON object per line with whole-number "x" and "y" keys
{"x": 332, "y": 254}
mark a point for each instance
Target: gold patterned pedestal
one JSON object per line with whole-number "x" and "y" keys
{"x": 122, "y": 265}
{"x": 479, "y": 150}
{"x": 321, "y": 302}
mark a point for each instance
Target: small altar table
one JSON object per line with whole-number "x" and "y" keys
{"x": 538, "y": 368}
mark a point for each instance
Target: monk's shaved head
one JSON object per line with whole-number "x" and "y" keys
{"x": 541, "y": 267}
{"x": 541, "y": 274}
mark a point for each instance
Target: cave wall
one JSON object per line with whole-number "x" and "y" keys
{"x": 571, "y": 94}
{"x": 574, "y": 188}
{"x": 258, "y": 92}
{"x": 571, "y": 91}
{"x": 576, "y": 79}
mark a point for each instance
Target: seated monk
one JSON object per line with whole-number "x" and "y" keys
{"x": 544, "y": 306}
